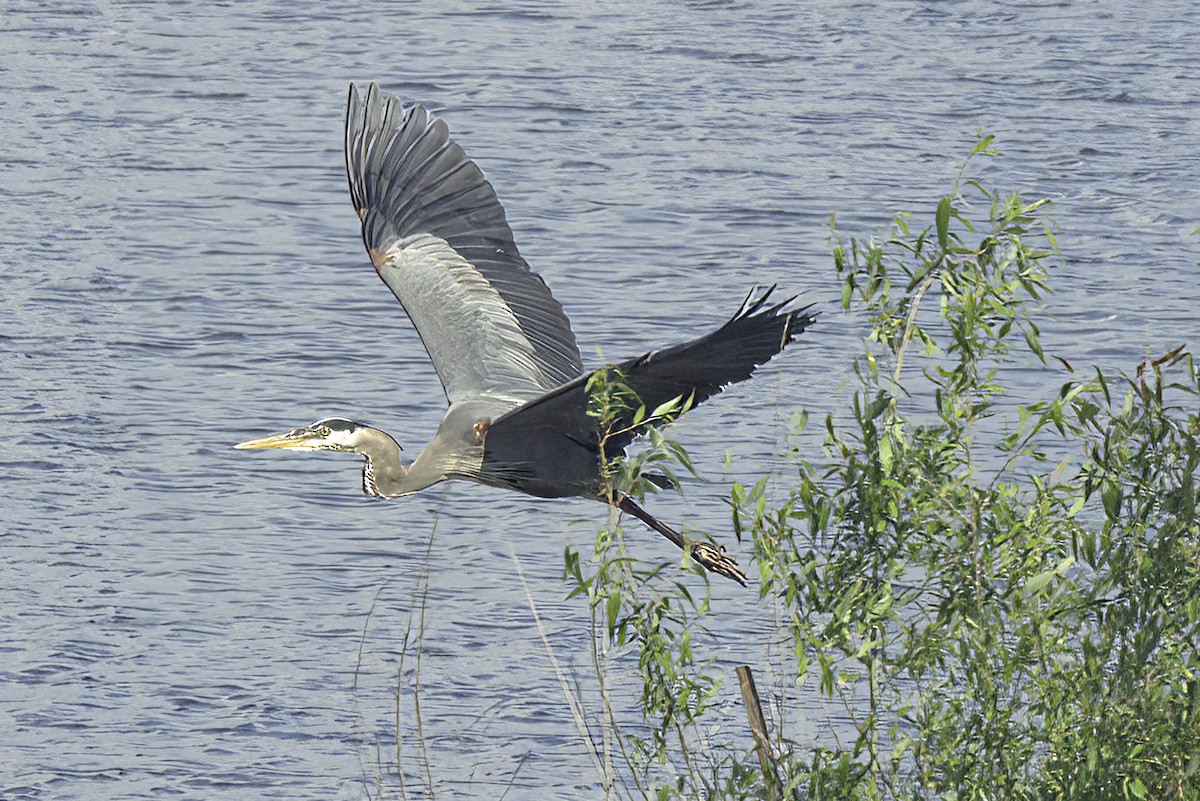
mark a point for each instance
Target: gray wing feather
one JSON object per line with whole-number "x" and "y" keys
{"x": 438, "y": 237}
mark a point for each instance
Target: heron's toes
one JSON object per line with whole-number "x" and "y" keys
{"x": 716, "y": 560}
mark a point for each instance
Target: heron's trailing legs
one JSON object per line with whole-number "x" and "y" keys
{"x": 709, "y": 556}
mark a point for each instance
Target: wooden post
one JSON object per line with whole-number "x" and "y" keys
{"x": 758, "y": 727}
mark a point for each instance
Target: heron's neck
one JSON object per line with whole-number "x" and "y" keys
{"x": 384, "y": 475}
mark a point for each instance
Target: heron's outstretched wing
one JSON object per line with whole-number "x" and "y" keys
{"x": 533, "y": 441}
{"x": 437, "y": 235}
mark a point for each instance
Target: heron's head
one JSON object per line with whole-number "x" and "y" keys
{"x": 330, "y": 434}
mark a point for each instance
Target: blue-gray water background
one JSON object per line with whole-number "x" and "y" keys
{"x": 180, "y": 269}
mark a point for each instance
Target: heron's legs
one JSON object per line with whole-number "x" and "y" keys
{"x": 709, "y": 556}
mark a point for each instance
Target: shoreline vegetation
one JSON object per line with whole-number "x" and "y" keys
{"x": 999, "y": 595}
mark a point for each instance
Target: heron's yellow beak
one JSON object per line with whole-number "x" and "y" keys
{"x": 298, "y": 439}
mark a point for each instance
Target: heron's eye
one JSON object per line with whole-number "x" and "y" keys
{"x": 324, "y": 431}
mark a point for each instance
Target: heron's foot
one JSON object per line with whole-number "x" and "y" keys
{"x": 711, "y": 557}
{"x": 714, "y": 559}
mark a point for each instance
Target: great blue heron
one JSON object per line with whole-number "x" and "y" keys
{"x": 499, "y": 341}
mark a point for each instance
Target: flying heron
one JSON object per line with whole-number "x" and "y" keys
{"x": 499, "y": 341}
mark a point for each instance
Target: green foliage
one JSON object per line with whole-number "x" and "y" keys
{"x": 645, "y": 614}
{"x": 993, "y": 630}
{"x": 618, "y": 412}
{"x": 1004, "y": 597}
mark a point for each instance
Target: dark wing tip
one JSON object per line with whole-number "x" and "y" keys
{"x": 794, "y": 321}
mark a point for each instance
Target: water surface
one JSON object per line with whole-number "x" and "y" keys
{"x": 180, "y": 269}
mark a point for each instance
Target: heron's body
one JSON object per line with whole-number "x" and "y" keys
{"x": 500, "y": 342}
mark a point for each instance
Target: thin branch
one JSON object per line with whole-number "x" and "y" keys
{"x": 576, "y": 713}
{"x": 423, "y": 588}
{"x": 910, "y": 321}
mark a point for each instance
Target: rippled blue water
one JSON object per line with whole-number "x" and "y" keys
{"x": 180, "y": 269}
